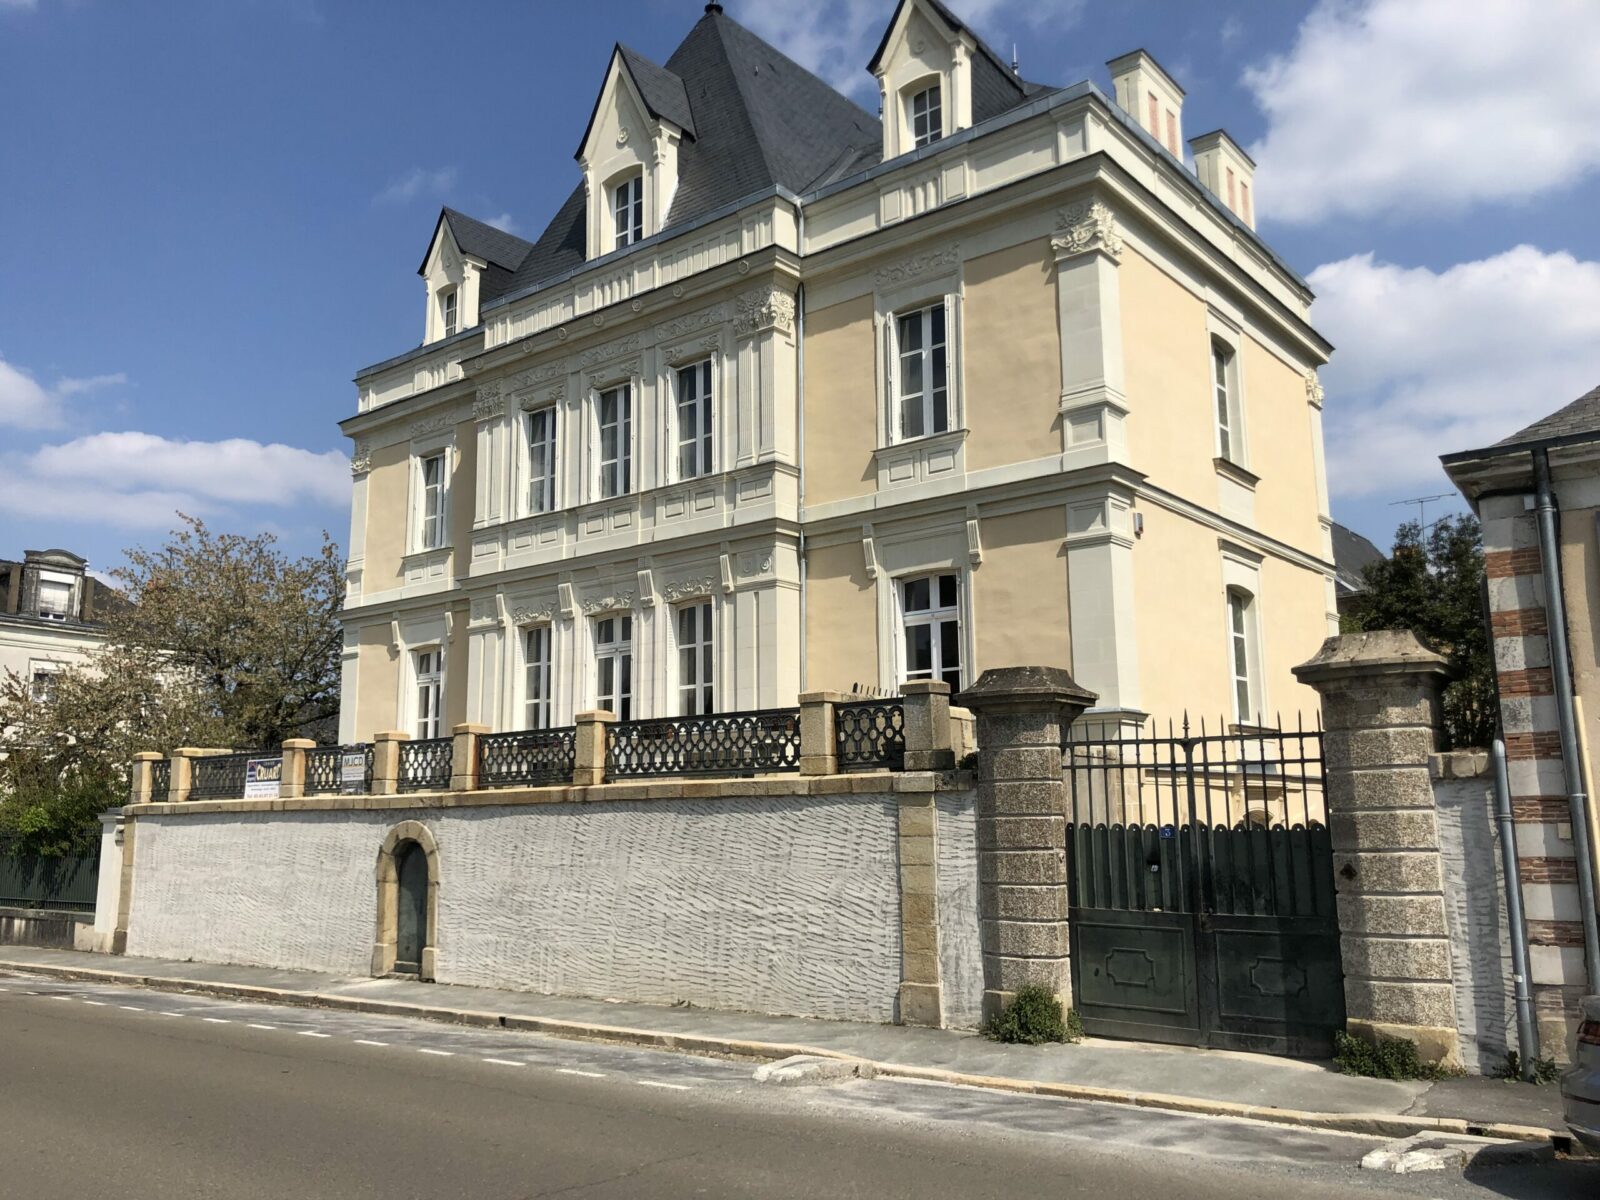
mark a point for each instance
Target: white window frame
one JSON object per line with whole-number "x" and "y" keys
{"x": 695, "y": 656}
{"x": 922, "y": 318}
{"x": 541, "y": 493}
{"x": 427, "y": 691}
{"x": 538, "y": 675}
{"x": 420, "y": 516}
{"x": 935, "y": 617}
{"x": 931, "y": 118}
{"x": 624, "y": 461}
{"x": 619, "y": 653}
{"x": 1244, "y": 655}
{"x": 1225, "y": 336}
{"x": 64, "y": 613}
{"x": 627, "y": 210}
{"x": 1241, "y": 578}
{"x": 695, "y": 419}
{"x": 450, "y": 311}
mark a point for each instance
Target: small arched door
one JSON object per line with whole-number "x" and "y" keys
{"x": 411, "y": 917}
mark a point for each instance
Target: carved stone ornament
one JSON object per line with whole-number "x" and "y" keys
{"x": 1313, "y": 388}
{"x": 755, "y": 563}
{"x": 917, "y": 266}
{"x": 490, "y": 402}
{"x": 533, "y": 614}
{"x": 613, "y": 372}
{"x": 483, "y": 609}
{"x": 435, "y": 424}
{"x": 612, "y": 603}
{"x": 1086, "y": 226}
{"x": 765, "y": 308}
{"x": 616, "y": 349}
{"x": 535, "y": 375}
{"x": 361, "y": 460}
{"x": 687, "y": 589}
{"x": 690, "y": 323}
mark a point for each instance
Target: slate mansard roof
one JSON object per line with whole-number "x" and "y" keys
{"x": 753, "y": 118}
{"x": 1579, "y": 417}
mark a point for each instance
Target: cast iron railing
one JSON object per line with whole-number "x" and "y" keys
{"x": 160, "y": 780}
{"x": 325, "y": 769}
{"x": 221, "y": 776}
{"x": 870, "y": 735}
{"x": 742, "y": 743}
{"x": 529, "y": 757}
{"x": 425, "y": 765}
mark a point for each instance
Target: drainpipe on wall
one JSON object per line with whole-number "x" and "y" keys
{"x": 1521, "y": 972}
{"x": 1561, "y": 670}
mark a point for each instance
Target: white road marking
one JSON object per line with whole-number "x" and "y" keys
{"x": 504, "y": 1062}
{"x": 585, "y": 1074}
{"x": 217, "y": 1020}
{"x": 253, "y": 1025}
{"x": 677, "y": 1087}
{"x": 171, "y": 1014}
{"x": 440, "y": 1053}
{"x": 59, "y": 997}
{"x": 96, "y": 1003}
{"x": 132, "y": 1008}
{"x": 313, "y": 1033}
{"x": 365, "y": 1042}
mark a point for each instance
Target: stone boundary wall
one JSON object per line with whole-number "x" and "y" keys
{"x": 845, "y": 896}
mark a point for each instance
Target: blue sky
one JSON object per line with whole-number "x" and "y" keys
{"x": 215, "y": 209}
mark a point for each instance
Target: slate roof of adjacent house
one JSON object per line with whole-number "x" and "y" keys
{"x": 758, "y": 119}
{"x": 1579, "y": 417}
{"x": 1351, "y": 555}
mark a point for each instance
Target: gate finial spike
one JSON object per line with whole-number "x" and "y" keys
{"x": 1186, "y": 722}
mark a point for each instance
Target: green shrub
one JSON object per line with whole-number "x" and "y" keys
{"x": 1545, "y": 1070}
{"x": 1385, "y": 1058}
{"x": 1033, "y": 1017}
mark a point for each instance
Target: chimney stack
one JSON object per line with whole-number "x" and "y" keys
{"x": 1227, "y": 171}
{"x": 1145, "y": 91}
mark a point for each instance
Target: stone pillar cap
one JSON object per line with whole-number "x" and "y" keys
{"x": 1002, "y": 686}
{"x": 392, "y": 735}
{"x": 925, "y": 687}
{"x": 1377, "y": 652}
{"x": 827, "y": 697}
{"x": 602, "y": 715}
{"x": 469, "y": 727}
{"x": 148, "y": 756}
{"x": 299, "y": 744}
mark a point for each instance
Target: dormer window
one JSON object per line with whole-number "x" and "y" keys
{"x": 627, "y": 210}
{"x": 55, "y": 600}
{"x": 449, "y": 312}
{"x": 927, "y": 117}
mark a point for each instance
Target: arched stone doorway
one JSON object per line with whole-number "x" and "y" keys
{"x": 408, "y": 902}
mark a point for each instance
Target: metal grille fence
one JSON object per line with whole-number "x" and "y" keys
{"x": 220, "y": 776}
{"x": 529, "y": 757}
{"x": 325, "y": 769}
{"x": 870, "y": 735}
{"x": 744, "y": 743}
{"x": 160, "y": 779}
{"x": 30, "y": 881}
{"x": 425, "y": 765}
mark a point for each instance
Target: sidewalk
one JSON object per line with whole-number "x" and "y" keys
{"x": 1180, "y": 1078}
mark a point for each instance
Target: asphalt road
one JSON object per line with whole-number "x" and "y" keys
{"x": 108, "y": 1092}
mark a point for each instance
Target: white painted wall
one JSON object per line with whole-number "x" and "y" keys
{"x": 956, "y": 867}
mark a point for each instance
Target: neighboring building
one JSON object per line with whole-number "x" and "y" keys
{"x": 49, "y": 615}
{"x": 786, "y": 399}
{"x": 1500, "y": 483}
{"x": 1352, "y": 555}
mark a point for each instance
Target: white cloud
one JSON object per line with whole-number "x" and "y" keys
{"x": 505, "y": 223}
{"x": 19, "y": 5}
{"x": 418, "y": 181}
{"x": 835, "y": 38}
{"x": 24, "y": 403}
{"x": 1432, "y": 362}
{"x": 1417, "y": 105}
{"x": 138, "y": 480}
{"x": 77, "y": 387}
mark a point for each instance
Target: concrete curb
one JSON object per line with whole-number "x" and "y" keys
{"x": 1392, "y": 1125}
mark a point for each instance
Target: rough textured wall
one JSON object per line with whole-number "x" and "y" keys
{"x": 1475, "y": 897}
{"x": 960, "y": 955}
{"x": 783, "y": 905}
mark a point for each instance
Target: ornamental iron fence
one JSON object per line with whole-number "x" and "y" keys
{"x": 325, "y": 770}
{"x": 741, "y": 743}
{"x": 221, "y": 776}
{"x": 425, "y": 765}
{"x": 870, "y": 735}
{"x": 529, "y": 757}
{"x": 160, "y": 779}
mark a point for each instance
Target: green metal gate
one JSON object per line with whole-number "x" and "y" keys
{"x": 1201, "y": 889}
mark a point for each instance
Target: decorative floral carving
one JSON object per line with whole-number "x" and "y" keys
{"x": 616, "y": 349}
{"x": 1313, "y": 387}
{"x": 765, "y": 308}
{"x": 490, "y": 402}
{"x": 1086, "y": 226}
{"x": 685, "y": 589}
{"x": 690, "y": 323}
{"x": 755, "y": 562}
{"x": 361, "y": 460}
{"x": 532, "y": 614}
{"x": 611, "y": 603}
{"x": 434, "y": 424}
{"x": 921, "y": 264}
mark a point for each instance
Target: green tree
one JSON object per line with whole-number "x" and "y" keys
{"x": 1431, "y": 584}
{"x": 223, "y": 640}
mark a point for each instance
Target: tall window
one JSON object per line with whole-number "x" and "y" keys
{"x": 927, "y": 117}
{"x": 1242, "y": 643}
{"x": 616, "y": 440}
{"x": 924, "y": 394}
{"x": 536, "y": 654}
{"x": 430, "y": 528}
{"x": 1222, "y": 384}
{"x": 542, "y": 460}
{"x": 448, "y": 303}
{"x": 430, "y": 689}
{"x": 55, "y": 600}
{"x": 613, "y": 652}
{"x": 694, "y": 420}
{"x": 42, "y": 687}
{"x": 627, "y": 210}
{"x": 931, "y": 609}
{"x": 697, "y": 660}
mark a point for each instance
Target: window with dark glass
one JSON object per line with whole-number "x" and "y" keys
{"x": 931, "y": 611}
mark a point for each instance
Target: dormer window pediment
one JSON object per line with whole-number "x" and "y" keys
{"x": 924, "y": 70}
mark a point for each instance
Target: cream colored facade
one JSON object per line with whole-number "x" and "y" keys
{"x": 1080, "y": 496}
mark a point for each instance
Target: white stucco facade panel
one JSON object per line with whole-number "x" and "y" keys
{"x": 960, "y": 953}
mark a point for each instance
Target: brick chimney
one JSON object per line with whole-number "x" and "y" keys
{"x": 1145, "y": 91}
{"x": 1229, "y": 173}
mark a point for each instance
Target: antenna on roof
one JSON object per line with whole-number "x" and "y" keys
{"x": 1014, "y": 70}
{"x": 713, "y": 7}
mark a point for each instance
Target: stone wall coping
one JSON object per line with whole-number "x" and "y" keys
{"x": 392, "y": 735}
{"x": 1459, "y": 764}
{"x": 1350, "y": 656}
{"x": 829, "y": 698}
{"x": 924, "y": 687}
{"x": 1003, "y": 687}
{"x": 148, "y": 756}
{"x": 300, "y": 744}
{"x": 730, "y": 790}
{"x": 468, "y": 727}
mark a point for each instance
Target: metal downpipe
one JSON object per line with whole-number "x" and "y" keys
{"x": 1521, "y": 973}
{"x": 1561, "y": 671}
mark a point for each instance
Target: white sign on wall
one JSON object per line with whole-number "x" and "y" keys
{"x": 353, "y": 771}
{"x": 262, "y": 777}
